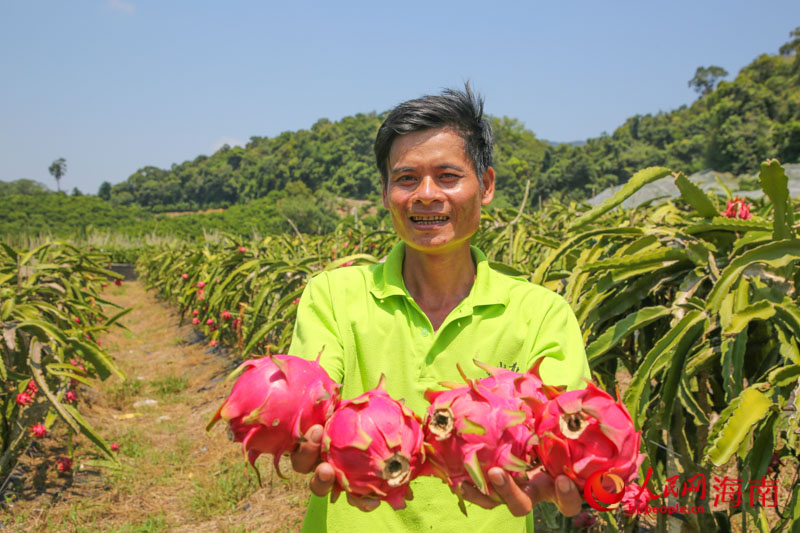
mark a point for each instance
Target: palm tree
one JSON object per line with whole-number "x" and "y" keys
{"x": 58, "y": 169}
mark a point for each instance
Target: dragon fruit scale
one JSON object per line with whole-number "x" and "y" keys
{"x": 274, "y": 402}
{"x": 583, "y": 432}
{"x": 471, "y": 429}
{"x": 375, "y": 445}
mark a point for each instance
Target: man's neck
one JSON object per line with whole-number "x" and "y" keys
{"x": 438, "y": 283}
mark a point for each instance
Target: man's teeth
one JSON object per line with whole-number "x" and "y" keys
{"x": 428, "y": 220}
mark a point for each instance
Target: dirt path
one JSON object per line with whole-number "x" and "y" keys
{"x": 174, "y": 476}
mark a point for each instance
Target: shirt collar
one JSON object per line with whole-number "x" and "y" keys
{"x": 388, "y": 281}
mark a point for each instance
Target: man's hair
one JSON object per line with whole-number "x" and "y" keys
{"x": 460, "y": 110}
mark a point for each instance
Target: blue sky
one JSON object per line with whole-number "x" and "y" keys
{"x": 114, "y": 85}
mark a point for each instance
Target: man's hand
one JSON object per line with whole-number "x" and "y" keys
{"x": 520, "y": 499}
{"x": 306, "y": 458}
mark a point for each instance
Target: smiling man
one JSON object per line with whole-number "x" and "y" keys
{"x": 433, "y": 303}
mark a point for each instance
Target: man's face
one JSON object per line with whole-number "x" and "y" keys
{"x": 432, "y": 192}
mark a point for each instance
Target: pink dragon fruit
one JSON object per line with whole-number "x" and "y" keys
{"x": 64, "y": 464}
{"x": 375, "y": 446}
{"x": 274, "y": 402}
{"x": 583, "y": 432}
{"x": 636, "y": 499}
{"x": 24, "y": 399}
{"x": 527, "y": 387}
{"x": 472, "y": 429}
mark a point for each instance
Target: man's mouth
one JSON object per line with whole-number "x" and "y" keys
{"x": 429, "y": 219}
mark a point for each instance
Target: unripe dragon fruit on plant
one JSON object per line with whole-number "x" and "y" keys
{"x": 375, "y": 446}
{"x": 471, "y": 429}
{"x": 274, "y": 402}
{"x": 583, "y": 432}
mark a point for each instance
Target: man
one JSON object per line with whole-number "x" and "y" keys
{"x": 433, "y": 303}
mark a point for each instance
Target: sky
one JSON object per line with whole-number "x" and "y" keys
{"x": 116, "y": 85}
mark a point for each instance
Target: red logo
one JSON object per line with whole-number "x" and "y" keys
{"x": 594, "y": 491}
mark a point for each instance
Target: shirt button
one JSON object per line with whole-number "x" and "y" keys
{"x": 423, "y": 332}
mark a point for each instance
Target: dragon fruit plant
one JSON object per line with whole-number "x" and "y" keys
{"x": 375, "y": 445}
{"x": 582, "y": 432}
{"x": 274, "y": 402}
{"x": 472, "y": 428}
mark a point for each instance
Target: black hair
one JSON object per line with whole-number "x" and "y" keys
{"x": 460, "y": 110}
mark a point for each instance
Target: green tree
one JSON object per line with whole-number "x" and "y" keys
{"x": 104, "y": 191}
{"x": 793, "y": 46}
{"x": 706, "y": 78}
{"x": 58, "y": 169}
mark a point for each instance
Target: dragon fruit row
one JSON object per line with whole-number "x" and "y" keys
{"x": 376, "y": 445}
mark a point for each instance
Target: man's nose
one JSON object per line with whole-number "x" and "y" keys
{"x": 428, "y": 190}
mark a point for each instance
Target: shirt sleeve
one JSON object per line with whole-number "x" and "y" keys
{"x": 315, "y": 328}
{"x": 559, "y": 339}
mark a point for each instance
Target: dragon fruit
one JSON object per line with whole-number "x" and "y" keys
{"x": 274, "y": 402}
{"x": 471, "y": 429}
{"x": 584, "y": 432}
{"x": 636, "y": 499}
{"x": 375, "y": 445}
{"x": 526, "y": 387}
{"x": 23, "y": 399}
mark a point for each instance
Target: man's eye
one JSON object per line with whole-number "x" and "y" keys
{"x": 405, "y": 178}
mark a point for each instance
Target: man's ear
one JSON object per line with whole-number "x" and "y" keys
{"x": 487, "y": 181}
{"x": 383, "y": 192}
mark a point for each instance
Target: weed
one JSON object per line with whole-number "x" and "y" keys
{"x": 178, "y": 341}
{"x": 151, "y": 524}
{"x": 121, "y": 395}
{"x": 169, "y": 385}
{"x": 230, "y": 485}
{"x": 134, "y": 443}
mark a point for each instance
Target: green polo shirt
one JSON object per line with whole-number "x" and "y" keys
{"x": 369, "y": 324}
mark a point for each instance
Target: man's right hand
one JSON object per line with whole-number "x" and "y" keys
{"x": 306, "y": 458}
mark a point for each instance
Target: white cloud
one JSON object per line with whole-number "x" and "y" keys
{"x": 230, "y": 141}
{"x": 122, "y": 6}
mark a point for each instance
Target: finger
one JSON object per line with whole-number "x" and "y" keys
{"x": 365, "y": 503}
{"x": 306, "y": 456}
{"x": 322, "y": 480}
{"x": 517, "y": 501}
{"x": 472, "y": 494}
{"x": 568, "y": 498}
{"x": 540, "y": 487}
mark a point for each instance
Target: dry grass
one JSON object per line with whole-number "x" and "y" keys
{"x": 173, "y": 475}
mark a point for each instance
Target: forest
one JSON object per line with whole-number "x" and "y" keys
{"x": 731, "y": 127}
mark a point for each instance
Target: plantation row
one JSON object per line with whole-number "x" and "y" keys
{"x": 694, "y": 300}
{"x": 50, "y": 316}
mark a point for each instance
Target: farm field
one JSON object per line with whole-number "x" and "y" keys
{"x": 687, "y": 307}
{"x": 173, "y": 476}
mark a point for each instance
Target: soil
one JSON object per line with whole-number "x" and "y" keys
{"x": 172, "y": 475}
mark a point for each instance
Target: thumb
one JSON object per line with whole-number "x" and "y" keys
{"x": 568, "y": 498}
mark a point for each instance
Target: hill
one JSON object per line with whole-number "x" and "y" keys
{"x": 334, "y": 157}
{"x": 732, "y": 127}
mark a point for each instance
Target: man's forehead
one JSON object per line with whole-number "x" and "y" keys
{"x": 403, "y": 144}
